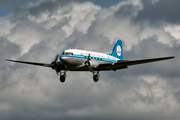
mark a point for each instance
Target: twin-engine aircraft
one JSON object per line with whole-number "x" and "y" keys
{"x": 82, "y": 60}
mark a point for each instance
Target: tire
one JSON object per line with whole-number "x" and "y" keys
{"x": 62, "y": 78}
{"x": 96, "y": 78}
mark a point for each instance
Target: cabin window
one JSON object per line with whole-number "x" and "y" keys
{"x": 101, "y": 59}
{"x": 67, "y": 53}
{"x": 97, "y": 58}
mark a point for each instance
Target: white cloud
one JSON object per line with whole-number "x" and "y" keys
{"x": 80, "y": 17}
{"x": 5, "y": 26}
{"x": 174, "y": 30}
{"x": 137, "y": 92}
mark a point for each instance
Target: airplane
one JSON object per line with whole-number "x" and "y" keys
{"x": 82, "y": 60}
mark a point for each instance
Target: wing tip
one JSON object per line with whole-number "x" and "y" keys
{"x": 171, "y": 57}
{"x": 8, "y": 60}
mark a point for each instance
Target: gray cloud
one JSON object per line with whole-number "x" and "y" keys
{"x": 139, "y": 92}
{"x": 8, "y": 50}
{"x": 47, "y": 6}
{"x": 159, "y": 12}
{"x": 150, "y": 48}
{"x": 50, "y": 7}
{"x": 3, "y": 1}
{"x": 125, "y": 11}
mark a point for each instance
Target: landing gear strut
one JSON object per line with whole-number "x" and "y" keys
{"x": 62, "y": 76}
{"x": 96, "y": 77}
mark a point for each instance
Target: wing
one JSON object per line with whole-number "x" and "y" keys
{"x": 124, "y": 64}
{"x": 31, "y": 63}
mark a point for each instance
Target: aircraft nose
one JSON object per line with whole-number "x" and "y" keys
{"x": 62, "y": 58}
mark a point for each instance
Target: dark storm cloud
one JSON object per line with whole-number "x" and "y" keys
{"x": 6, "y": 1}
{"x": 8, "y": 50}
{"x": 159, "y": 12}
{"x": 35, "y": 92}
{"x": 47, "y": 6}
{"x": 125, "y": 11}
{"x": 151, "y": 48}
{"x": 3, "y": 1}
{"x": 177, "y": 95}
{"x": 22, "y": 12}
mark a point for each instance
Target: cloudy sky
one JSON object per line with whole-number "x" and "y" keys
{"x": 38, "y": 30}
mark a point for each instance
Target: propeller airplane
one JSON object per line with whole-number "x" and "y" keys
{"x": 82, "y": 60}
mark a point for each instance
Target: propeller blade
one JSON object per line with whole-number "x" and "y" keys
{"x": 90, "y": 69}
{"x": 56, "y": 71}
{"x": 88, "y": 58}
{"x": 57, "y": 56}
{"x": 80, "y": 66}
{"x": 54, "y": 64}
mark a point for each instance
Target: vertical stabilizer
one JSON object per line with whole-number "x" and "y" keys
{"x": 118, "y": 50}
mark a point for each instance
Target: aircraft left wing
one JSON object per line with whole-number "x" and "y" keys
{"x": 31, "y": 63}
{"x": 124, "y": 64}
{"x": 52, "y": 65}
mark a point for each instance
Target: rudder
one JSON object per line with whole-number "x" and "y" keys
{"x": 118, "y": 50}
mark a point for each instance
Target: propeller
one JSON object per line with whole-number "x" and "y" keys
{"x": 54, "y": 64}
{"x": 88, "y": 65}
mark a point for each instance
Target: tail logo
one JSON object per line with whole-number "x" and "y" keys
{"x": 118, "y": 50}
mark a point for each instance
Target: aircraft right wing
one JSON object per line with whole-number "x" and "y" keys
{"x": 124, "y": 64}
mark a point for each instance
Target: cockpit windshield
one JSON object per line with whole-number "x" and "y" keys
{"x": 67, "y": 53}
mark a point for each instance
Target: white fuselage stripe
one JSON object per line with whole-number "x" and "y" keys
{"x": 81, "y": 55}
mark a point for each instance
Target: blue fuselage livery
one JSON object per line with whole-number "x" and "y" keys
{"x": 82, "y": 60}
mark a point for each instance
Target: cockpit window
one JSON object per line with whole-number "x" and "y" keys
{"x": 67, "y": 53}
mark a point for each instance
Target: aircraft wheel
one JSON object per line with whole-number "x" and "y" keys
{"x": 96, "y": 78}
{"x": 62, "y": 78}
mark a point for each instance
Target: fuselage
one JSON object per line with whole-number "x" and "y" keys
{"x": 75, "y": 57}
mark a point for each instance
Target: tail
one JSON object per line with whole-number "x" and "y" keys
{"x": 117, "y": 50}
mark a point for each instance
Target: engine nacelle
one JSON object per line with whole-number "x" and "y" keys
{"x": 93, "y": 63}
{"x": 59, "y": 66}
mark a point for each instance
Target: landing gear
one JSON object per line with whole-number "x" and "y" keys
{"x": 96, "y": 77}
{"x": 62, "y": 76}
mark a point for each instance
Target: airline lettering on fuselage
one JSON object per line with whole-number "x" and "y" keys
{"x": 118, "y": 50}
{"x": 92, "y": 55}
